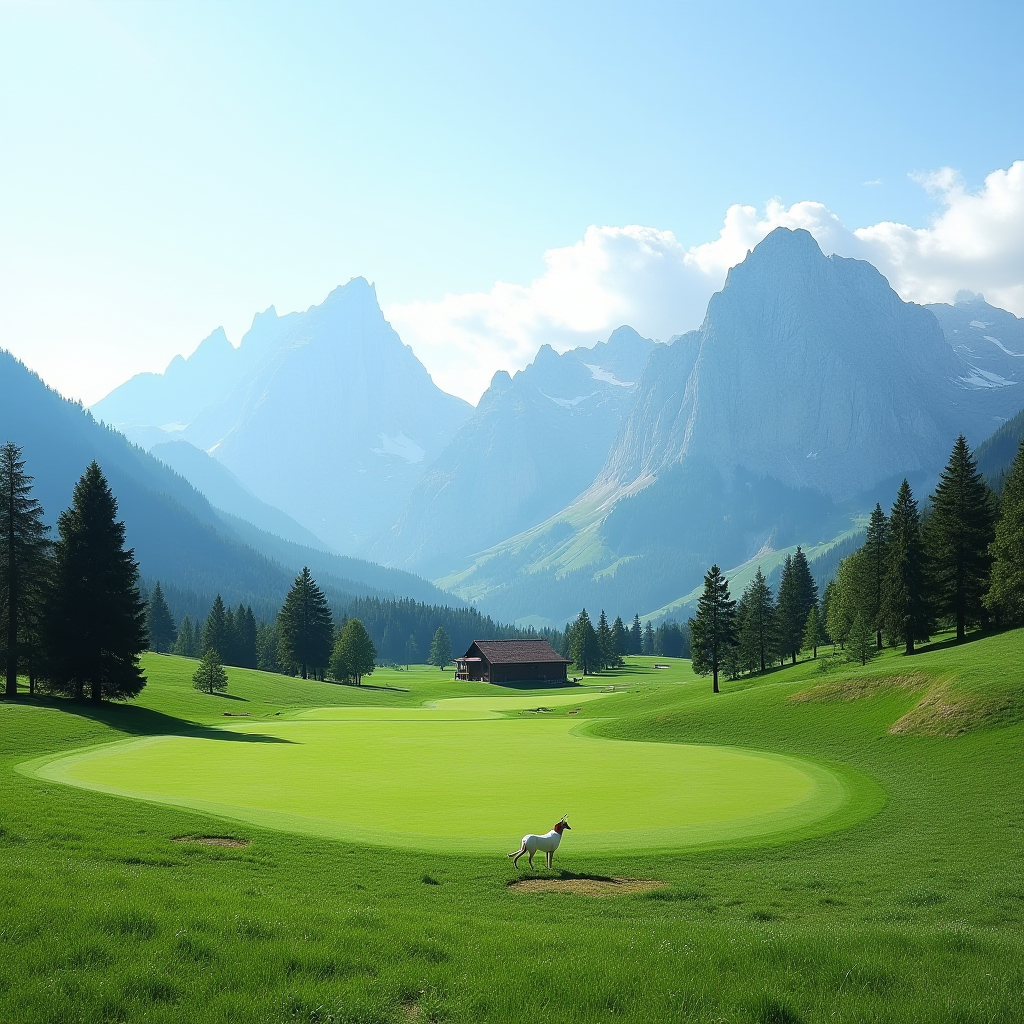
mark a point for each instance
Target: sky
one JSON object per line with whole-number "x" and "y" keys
{"x": 506, "y": 174}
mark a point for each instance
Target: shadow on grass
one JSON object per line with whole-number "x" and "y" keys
{"x": 138, "y": 721}
{"x": 537, "y": 684}
{"x": 231, "y": 696}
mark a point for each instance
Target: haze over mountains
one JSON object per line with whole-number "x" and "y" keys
{"x": 612, "y": 475}
{"x": 178, "y": 536}
{"x": 326, "y": 415}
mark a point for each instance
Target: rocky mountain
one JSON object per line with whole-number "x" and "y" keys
{"x": 324, "y": 415}
{"x": 154, "y": 407}
{"x": 989, "y": 339}
{"x": 809, "y": 390}
{"x": 535, "y": 441}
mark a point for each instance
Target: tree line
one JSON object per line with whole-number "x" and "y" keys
{"x": 958, "y": 565}
{"x": 73, "y": 617}
{"x": 592, "y": 649}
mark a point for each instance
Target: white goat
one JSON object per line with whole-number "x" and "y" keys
{"x": 547, "y": 843}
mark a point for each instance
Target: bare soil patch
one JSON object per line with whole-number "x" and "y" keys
{"x": 587, "y": 886}
{"x": 213, "y": 841}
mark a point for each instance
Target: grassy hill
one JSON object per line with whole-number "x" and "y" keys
{"x": 914, "y": 913}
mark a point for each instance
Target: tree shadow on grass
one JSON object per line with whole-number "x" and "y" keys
{"x": 231, "y": 696}
{"x": 139, "y": 721}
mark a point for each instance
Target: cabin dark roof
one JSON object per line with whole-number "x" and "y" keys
{"x": 517, "y": 652}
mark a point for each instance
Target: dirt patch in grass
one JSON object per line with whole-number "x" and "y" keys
{"x": 943, "y": 711}
{"x": 587, "y": 886}
{"x": 859, "y": 686}
{"x": 230, "y": 841}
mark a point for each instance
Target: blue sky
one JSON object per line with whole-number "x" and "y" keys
{"x": 171, "y": 167}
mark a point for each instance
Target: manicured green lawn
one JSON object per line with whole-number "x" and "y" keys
{"x": 428, "y": 780}
{"x": 913, "y": 912}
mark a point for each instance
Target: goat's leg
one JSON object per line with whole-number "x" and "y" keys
{"x": 549, "y": 855}
{"x": 531, "y": 858}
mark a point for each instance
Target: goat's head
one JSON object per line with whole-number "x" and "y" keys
{"x": 563, "y": 824}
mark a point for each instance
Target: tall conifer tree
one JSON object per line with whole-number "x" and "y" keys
{"x": 958, "y": 533}
{"x": 648, "y": 641}
{"x": 159, "y": 622}
{"x": 215, "y": 631}
{"x": 713, "y": 628}
{"x": 905, "y": 611}
{"x": 605, "y": 643}
{"x": 872, "y": 568}
{"x": 620, "y": 639}
{"x": 1005, "y": 597}
{"x": 757, "y": 624}
{"x": 24, "y": 553}
{"x": 304, "y": 626}
{"x": 96, "y": 618}
{"x": 636, "y": 636}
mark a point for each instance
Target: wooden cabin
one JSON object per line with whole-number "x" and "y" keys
{"x": 511, "y": 661}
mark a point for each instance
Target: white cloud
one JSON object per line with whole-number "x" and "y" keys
{"x": 646, "y": 278}
{"x": 976, "y": 242}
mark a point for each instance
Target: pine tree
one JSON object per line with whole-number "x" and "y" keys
{"x": 813, "y": 634}
{"x": 412, "y": 652}
{"x": 96, "y": 618}
{"x": 1005, "y": 597}
{"x": 266, "y": 647}
{"x": 862, "y": 646}
{"x": 185, "y": 643}
{"x": 844, "y": 591}
{"x": 959, "y": 530}
{"x": 24, "y": 562}
{"x": 636, "y": 636}
{"x": 159, "y": 622}
{"x": 872, "y": 570}
{"x": 713, "y": 629}
{"x": 648, "y": 641}
{"x": 215, "y": 631}
{"x": 620, "y": 639}
{"x": 354, "y": 655}
{"x": 905, "y": 612}
{"x": 797, "y": 594}
{"x": 304, "y": 627}
{"x": 757, "y": 627}
{"x": 584, "y": 649}
{"x": 440, "y": 649}
{"x": 210, "y": 675}
{"x": 607, "y": 658}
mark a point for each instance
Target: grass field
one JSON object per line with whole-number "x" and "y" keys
{"x": 906, "y": 906}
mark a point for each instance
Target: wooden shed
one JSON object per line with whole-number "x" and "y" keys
{"x": 511, "y": 661}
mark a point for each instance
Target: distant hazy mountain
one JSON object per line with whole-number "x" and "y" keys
{"x": 535, "y": 441}
{"x": 325, "y": 415}
{"x": 228, "y": 494}
{"x": 178, "y": 537}
{"x": 989, "y": 339}
{"x": 153, "y": 407}
{"x": 810, "y": 389}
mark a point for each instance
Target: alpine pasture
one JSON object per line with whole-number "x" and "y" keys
{"x": 831, "y": 845}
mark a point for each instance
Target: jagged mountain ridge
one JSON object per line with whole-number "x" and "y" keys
{"x": 809, "y": 390}
{"x": 325, "y": 415}
{"x": 535, "y": 441}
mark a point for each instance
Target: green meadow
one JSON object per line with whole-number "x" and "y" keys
{"x": 840, "y": 845}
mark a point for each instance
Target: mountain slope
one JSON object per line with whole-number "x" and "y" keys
{"x": 810, "y": 389}
{"x": 535, "y": 441}
{"x": 178, "y": 537}
{"x": 995, "y": 453}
